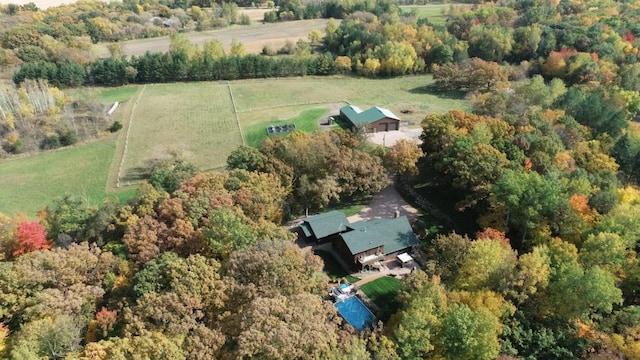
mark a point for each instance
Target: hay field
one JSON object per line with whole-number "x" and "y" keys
{"x": 193, "y": 119}
{"x": 253, "y": 37}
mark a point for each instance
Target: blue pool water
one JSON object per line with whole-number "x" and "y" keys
{"x": 355, "y": 312}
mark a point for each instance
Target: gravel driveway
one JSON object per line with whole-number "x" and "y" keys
{"x": 384, "y": 205}
{"x": 389, "y": 138}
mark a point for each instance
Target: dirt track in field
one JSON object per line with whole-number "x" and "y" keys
{"x": 253, "y": 37}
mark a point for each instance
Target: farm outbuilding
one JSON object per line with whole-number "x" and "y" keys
{"x": 375, "y": 119}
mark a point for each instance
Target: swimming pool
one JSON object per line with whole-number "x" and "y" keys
{"x": 355, "y": 312}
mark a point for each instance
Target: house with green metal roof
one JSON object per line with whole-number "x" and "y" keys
{"x": 368, "y": 242}
{"x": 324, "y": 227}
{"x": 373, "y": 119}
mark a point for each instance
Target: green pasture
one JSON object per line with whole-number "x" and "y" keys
{"x": 120, "y": 94}
{"x": 105, "y": 96}
{"x": 31, "y": 183}
{"x": 435, "y": 13}
{"x": 195, "y": 120}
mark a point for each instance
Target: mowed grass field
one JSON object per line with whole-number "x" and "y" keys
{"x": 409, "y": 97}
{"x": 30, "y": 184}
{"x": 195, "y": 120}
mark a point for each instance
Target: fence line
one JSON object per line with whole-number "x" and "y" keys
{"x": 126, "y": 138}
{"x": 235, "y": 112}
{"x": 324, "y": 102}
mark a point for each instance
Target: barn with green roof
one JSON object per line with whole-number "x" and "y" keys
{"x": 374, "y": 119}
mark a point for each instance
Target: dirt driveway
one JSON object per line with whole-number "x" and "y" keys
{"x": 389, "y": 138}
{"x": 384, "y": 205}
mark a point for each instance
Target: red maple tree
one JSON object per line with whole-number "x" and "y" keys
{"x": 30, "y": 236}
{"x": 106, "y": 320}
{"x": 628, "y": 37}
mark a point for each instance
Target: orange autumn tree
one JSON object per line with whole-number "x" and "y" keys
{"x": 30, "y": 236}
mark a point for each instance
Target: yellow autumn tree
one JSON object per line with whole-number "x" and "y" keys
{"x": 403, "y": 157}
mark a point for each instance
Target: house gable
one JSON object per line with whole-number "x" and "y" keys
{"x": 392, "y": 235}
{"x": 324, "y": 225}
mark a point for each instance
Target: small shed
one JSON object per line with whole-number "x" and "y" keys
{"x": 404, "y": 259}
{"x": 375, "y": 119}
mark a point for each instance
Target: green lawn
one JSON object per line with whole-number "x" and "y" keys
{"x": 307, "y": 121}
{"x": 196, "y": 120}
{"x": 29, "y": 184}
{"x": 350, "y": 209}
{"x": 333, "y": 268}
{"x": 383, "y": 293}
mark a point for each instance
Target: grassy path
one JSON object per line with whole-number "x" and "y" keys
{"x": 124, "y": 145}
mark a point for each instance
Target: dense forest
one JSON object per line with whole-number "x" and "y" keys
{"x": 541, "y": 179}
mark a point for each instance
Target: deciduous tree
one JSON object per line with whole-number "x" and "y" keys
{"x": 279, "y": 327}
{"x": 470, "y": 334}
{"x": 403, "y": 157}
{"x": 30, "y": 236}
{"x": 277, "y": 267}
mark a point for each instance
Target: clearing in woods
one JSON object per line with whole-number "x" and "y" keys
{"x": 434, "y": 13}
{"x": 409, "y": 97}
{"x": 197, "y": 120}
